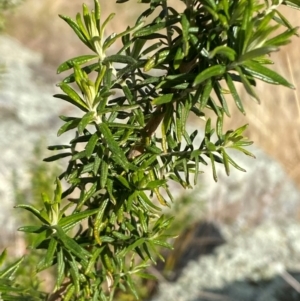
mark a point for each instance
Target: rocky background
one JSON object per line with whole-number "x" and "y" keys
{"x": 241, "y": 238}
{"x": 28, "y": 113}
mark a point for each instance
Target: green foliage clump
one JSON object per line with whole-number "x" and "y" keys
{"x": 131, "y": 140}
{"x": 6, "y": 5}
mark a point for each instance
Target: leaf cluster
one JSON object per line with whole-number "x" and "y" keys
{"x": 132, "y": 139}
{"x": 10, "y": 289}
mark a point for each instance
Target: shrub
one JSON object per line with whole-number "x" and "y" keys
{"x": 131, "y": 140}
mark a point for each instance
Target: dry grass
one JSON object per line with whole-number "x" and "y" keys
{"x": 274, "y": 125}
{"x": 37, "y": 25}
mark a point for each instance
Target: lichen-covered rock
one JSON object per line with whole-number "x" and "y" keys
{"x": 243, "y": 269}
{"x": 27, "y": 112}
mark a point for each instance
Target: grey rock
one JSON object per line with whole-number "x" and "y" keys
{"x": 27, "y": 112}
{"x": 250, "y": 267}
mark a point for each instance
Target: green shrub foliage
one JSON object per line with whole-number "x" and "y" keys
{"x": 131, "y": 139}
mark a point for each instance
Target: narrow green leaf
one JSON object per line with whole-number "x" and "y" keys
{"x": 35, "y": 212}
{"x": 247, "y": 85}
{"x": 155, "y": 184}
{"x": 123, "y": 181}
{"x": 208, "y": 128}
{"x": 234, "y": 93}
{"x": 149, "y": 29}
{"x": 244, "y": 143}
{"x": 143, "y": 221}
{"x": 136, "y": 244}
{"x": 3, "y": 256}
{"x": 86, "y": 195}
{"x": 246, "y": 152}
{"x": 57, "y": 157}
{"x": 151, "y": 48}
{"x": 225, "y": 160}
{"x": 179, "y": 121}
{"x": 60, "y": 269}
{"x": 93, "y": 260}
{"x": 253, "y": 54}
{"x": 234, "y": 164}
{"x": 97, "y": 163}
{"x": 179, "y": 56}
{"x": 82, "y": 27}
{"x": 71, "y": 245}
{"x": 162, "y": 243}
{"x": 208, "y": 73}
{"x": 132, "y": 198}
{"x": 132, "y": 286}
{"x": 147, "y": 251}
{"x": 76, "y": 29}
{"x": 120, "y": 235}
{"x": 68, "y": 126}
{"x": 165, "y": 98}
{"x": 292, "y": 3}
{"x": 118, "y": 154}
{"x": 78, "y": 155}
{"x": 79, "y": 60}
{"x": 123, "y": 126}
{"x": 224, "y": 51}
{"x": 73, "y": 98}
{"x": 219, "y": 127}
{"x": 118, "y": 58}
{"x": 11, "y": 269}
{"x": 281, "y": 19}
{"x": 204, "y": 93}
{"x": 86, "y": 69}
{"x": 58, "y": 147}
{"x": 210, "y": 146}
{"x": 109, "y": 187}
{"x": 220, "y": 95}
{"x": 155, "y": 251}
{"x": 87, "y": 19}
{"x": 213, "y": 166}
{"x": 68, "y": 222}
{"x": 283, "y": 38}
{"x": 97, "y": 14}
{"x": 41, "y": 237}
{"x": 87, "y": 118}
{"x": 185, "y": 24}
{"x": 104, "y": 24}
{"x": 57, "y": 192}
{"x": 74, "y": 273}
{"x": 103, "y": 172}
{"x": 266, "y": 74}
{"x": 211, "y": 3}
{"x": 107, "y": 43}
{"x": 147, "y": 203}
{"x": 47, "y": 261}
{"x": 156, "y": 59}
{"x": 98, "y": 221}
{"x": 69, "y": 292}
{"x": 212, "y": 105}
{"x": 90, "y": 146}
{"x": 100, "y": 76}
